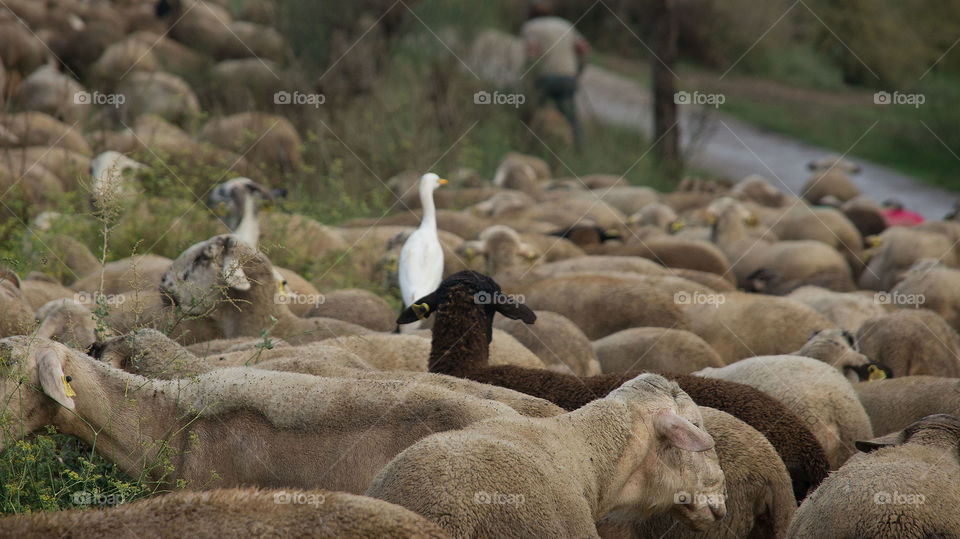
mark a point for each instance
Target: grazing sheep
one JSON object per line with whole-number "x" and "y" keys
{"x": 229, "y": 427}
{"x": 39, "y": 288}
{"x": 466, "y": 355}
{"x": 266, "y": 139}
{"x": 756, "y": 188}
{"x": 759, "y": 498}
{"x": 226, "y": 282}
{"x": 246, "y": 83}
{"x": 557, "y": 341}
{"x": 521, "y": 172}
{"x": 796, "y": 261}
{"x": 627, "y": 199}
{"x": 32, "y": 128}
{"x": 586, "y": 300}
{"x": 251, "y": 39}
{"x": 49, "y": 91}
{"x": 865, "y": 214}
{"x": 627, "y": 455}
{"x": 826, "y": 225}
{"x": 904, "y": 486}
{"x": 932, "y": 286}
{"x": 123, "y": 57}
{"x": 896, "y": 403}
{"x": 150, "y": 353}
{"x": 912, "y": 342}
{"x": 67, "y": 321}
{"x": 16, "y": 316}
{"x": 237, "y": 512}
{"x": 898, "y": 248}
{"x": 746, "y": 325}
{"x": 137, "y": 273}
{"x": 203, "y": 26}
{"x": 830, "y": 177}
{"x": 160, "y": 93}
{"x": 814, "y": 390}
{"x": 654, "y": 349}
{"x": 672, "y": 253}
{"x": 836, "y": 347}
{"x": 848, "y": 310}
{"x": 356, "y": 306}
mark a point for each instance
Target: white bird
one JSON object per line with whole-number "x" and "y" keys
{"x": 420, "y": 267}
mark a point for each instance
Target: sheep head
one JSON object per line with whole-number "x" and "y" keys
{"x": 937, "y": 429}
{"x": 503, "y": 249}
{"x": 68, "y": 321}
{"x": 464, "y": 304}
{"x": 35, "y": 387}
{"x": 206, "y": 273}
{"x": 678, "y": 456}
{"x": 838, "y": 348}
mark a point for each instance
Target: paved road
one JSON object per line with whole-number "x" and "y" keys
{"x": 723, "y": 144}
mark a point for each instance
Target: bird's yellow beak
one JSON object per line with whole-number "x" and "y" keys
{"x": 441, "y": 181}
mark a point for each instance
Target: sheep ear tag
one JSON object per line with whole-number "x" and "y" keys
{"x": 66, "y": 385}
{"x": 875, "y": 373}
{"x": 422, "y": 310}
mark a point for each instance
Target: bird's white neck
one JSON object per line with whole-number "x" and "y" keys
{"x": 429, "y": 220}
{"x": 249, "y": 228}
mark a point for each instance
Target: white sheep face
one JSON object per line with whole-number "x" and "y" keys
{"x": 207, "y": 273}
{"x": 680, "y": 457}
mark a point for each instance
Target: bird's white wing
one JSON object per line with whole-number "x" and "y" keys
{"x": 420, "y": 268}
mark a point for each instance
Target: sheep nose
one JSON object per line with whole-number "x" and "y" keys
{"x": 719, "y": 510}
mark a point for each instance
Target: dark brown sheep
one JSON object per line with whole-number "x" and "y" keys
{"x": 465, "y": 304}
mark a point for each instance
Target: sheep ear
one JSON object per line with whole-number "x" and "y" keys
{"x": 517, "y": 311}
{"x": 681, "y": 433}
{"x": 52, "y": 380}
{"x": 419, "y": 310}
{"x": 233, "y": 273}
{"x": 894, "y": 438}
{"x": 7, "y": 274}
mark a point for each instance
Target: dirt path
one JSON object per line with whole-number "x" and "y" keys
{"x": 724, "y": 144}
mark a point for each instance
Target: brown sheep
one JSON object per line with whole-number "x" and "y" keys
{"x": 38, "y": 129}
{"x": 266, "y": 139}
{"x": 161, "y": 93}
{"x": 16, "y": 316}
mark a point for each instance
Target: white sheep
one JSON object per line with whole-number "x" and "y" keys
{"x": 231, "y": 513}
{"x": 230, "y": 427}
{"x": 626, "y": 455}
{"x": 904, "y": 486}
{"x": 895, "y": 403}
{"x": 814, "y": 390}
{"x": 225, "y": 281}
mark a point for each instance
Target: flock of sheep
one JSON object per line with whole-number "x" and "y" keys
{"x": 575, "y": 357}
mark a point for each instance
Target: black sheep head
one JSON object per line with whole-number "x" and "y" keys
{"x": 471, "y": 291}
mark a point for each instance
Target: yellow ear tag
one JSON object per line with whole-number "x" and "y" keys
{"x": 66, "y": 386}
{"x": 711, "y": 218}
{"x": 420, "y": 309}
{"x": 677, "y": 226}
{"x": 875, "y": 373}
{"x": 752, "y": 220}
